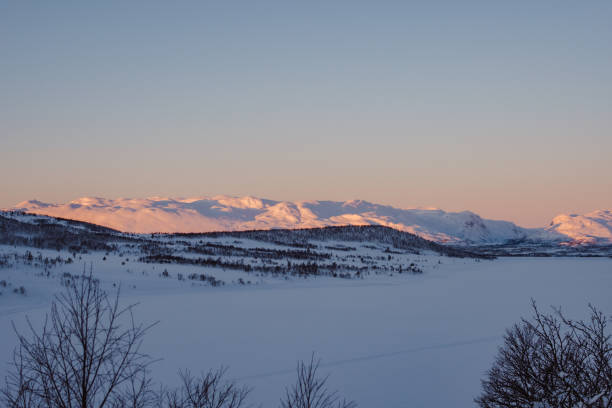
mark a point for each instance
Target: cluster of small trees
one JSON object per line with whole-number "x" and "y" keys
{"x": 88, "y": 355}
{"x": 19, "y": 290}
{"x": 211, "y": 262}
{"x": 309, "y": 268}
{"x": 211, "y": 280}
{"x": 216, "y": 249}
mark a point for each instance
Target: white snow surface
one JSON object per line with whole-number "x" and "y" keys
{"x": 591, "y": 228}
{"x": 225, "y": 213}
{"x": 386, "y": 340}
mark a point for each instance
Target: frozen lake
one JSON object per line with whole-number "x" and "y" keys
{"x": 409, "y": 341}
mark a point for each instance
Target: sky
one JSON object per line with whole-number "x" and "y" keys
{"x": 501, "y": 108}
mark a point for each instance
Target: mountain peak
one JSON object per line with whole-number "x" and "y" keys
{"x": 225, "y": 213}
{"x": 592, "y": 228}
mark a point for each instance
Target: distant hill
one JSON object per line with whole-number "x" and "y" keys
{"x": 44, "y": 232}
{"x": 592, "y": 228}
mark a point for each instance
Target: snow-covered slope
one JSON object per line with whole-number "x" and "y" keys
{"x": 591, "y": 228}
{"x": 223, "y": 213}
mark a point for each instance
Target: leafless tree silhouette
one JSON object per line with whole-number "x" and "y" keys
{"x": 209, "y": 390}
{"x": 87, "y": 355}
{"x": 552, "y": 361}
{"x": 310, "y": 390}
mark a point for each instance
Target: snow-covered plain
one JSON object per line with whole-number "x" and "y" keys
{"x": 405, "y": 340}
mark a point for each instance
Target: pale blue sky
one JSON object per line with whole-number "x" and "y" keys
{"x": 503, "y": 108}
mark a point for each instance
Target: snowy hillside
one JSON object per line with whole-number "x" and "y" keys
{"x": 39, "y": 254}
{"x": 338, "y": 252}
{"x": 591, "y": 228}
{"x": 224, "y": 213}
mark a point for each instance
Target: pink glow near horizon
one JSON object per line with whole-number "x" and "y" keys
{"x": 503, "y": 109}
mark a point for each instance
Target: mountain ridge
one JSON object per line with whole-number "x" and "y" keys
{"x": 229, "y": 213}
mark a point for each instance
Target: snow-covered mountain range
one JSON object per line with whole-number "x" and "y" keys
{"x": 225, "y": 213}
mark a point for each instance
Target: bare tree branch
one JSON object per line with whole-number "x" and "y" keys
{"x": 552, "y": 361}
{"x": 209, "y": 390}
{"x": 310, "y": 390}
{"x": 87, "y": 354}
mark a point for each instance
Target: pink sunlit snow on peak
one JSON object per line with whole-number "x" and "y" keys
{"x": 224, "y": 213}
